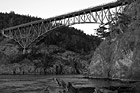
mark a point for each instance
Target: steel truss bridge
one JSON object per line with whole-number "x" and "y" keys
{"x": 26, "y": 34}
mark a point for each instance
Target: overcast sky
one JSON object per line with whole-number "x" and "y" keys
{"x": 50, "y": 8}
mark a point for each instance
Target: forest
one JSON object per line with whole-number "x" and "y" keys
{"x": 13, "y": 19}
{"x": 61, "y": 48}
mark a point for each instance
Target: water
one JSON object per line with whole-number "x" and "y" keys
{"x": 36, "y": 83}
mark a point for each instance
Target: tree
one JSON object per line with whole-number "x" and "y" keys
{"x": 101, "y": 32}
{"x": 121, "y": 22}
{"x": 47, "y": 62}
{"x": 12, "y": 12}
{"x": 75, "y": 63}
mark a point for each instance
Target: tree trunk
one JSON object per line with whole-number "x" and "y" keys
{"x": 14, "y": 72}
{"x": 45, "y": 71}
{"x": 76, "y": 68}
{"x": 23, "y": 72}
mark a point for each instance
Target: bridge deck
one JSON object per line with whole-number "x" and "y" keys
{"x": 72, "y": 14}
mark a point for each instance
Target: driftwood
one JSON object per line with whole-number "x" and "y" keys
{"x": 68, "y": 87}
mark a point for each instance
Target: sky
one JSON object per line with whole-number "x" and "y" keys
{"x": 51, "y": 8}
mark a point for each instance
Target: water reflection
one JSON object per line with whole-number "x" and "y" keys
{"x": 37, "y": 83}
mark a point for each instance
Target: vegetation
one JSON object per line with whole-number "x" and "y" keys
{"x": 71, "y": 39}
{"x": 12, "y": 19}
{"x": 121, "y": 24}
{"x": 64, "y": 50}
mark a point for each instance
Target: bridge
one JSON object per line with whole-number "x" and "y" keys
{"x": 26, "y": 34}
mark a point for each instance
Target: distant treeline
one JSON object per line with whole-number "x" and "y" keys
{"x": 13, "y": 19}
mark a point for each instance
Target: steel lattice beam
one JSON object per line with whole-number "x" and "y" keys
{"x": 25, "y": 34}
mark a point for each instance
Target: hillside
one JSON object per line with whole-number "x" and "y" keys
{"x": 71, "y": 39}
{"x": 65, "y": 50}
{"x": 13, "y": 19}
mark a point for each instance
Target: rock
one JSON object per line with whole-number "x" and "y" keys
{"x": 100, "y": 61}
{"x": 119, "y": 56}
{"x": 4, "y": 59}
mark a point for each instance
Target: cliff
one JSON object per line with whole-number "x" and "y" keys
{"x": 118, "y": 56}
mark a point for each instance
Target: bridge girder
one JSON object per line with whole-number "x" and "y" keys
{"x": 25, "y": 34}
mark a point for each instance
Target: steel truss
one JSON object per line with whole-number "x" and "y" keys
{"x": 25, "y": 34}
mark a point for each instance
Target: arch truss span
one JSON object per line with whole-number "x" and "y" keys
{"x": 27, "y": 33}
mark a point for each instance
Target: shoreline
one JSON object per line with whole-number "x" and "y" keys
{"x": 113, "y": 79}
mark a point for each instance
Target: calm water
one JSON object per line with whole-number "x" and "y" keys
{"x": 35, "y": 83}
